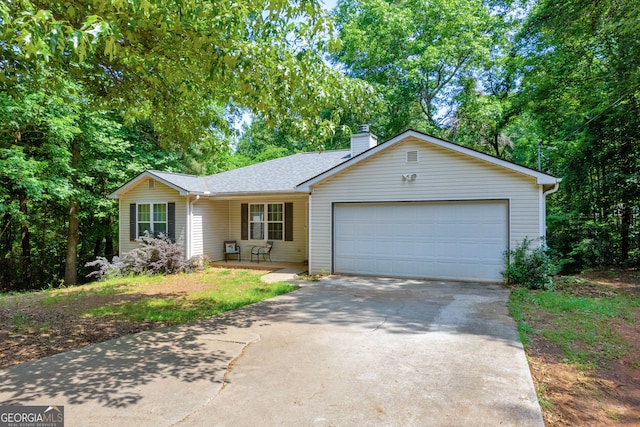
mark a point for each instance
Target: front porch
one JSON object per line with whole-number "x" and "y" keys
{"x": 297, "y": 267}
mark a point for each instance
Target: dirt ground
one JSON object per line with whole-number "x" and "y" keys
{"x": 606, "y": 396}
{"x": 609, "y": 395}
{"x": 47, "y": 329}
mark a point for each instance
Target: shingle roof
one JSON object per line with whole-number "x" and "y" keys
{"x": 186, "y": 182}
{"x": 278, "y": 175}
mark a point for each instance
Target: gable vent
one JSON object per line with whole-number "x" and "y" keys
{"x": 152, "y": 184}
{"x": 412, "y": 156}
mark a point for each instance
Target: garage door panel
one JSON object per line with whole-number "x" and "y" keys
{"x": 454, "y": 240}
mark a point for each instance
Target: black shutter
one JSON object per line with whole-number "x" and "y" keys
{"x": 171, "y": 221}
{"x": 288, "y": 222}
{"x": 132, "y": 221}
{"x": 244, "y": 220}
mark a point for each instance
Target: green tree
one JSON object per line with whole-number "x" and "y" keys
{"x": 33, "y": 162}
{"x": 417, "y": 54}
{"x": 582, "y": 84}
{"x": 182, "y": 63}
{"x": 486, "y": 106}
{"x": 58, "y": 162}
{"x": 189, "y": 66}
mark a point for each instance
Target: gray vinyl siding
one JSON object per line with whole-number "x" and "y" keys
{"x": 143, "y": 194}
{"x": 441, "y": 175}
{"x": 295, "y": 251}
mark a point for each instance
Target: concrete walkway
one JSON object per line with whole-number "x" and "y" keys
{"x": 343, "y": 351}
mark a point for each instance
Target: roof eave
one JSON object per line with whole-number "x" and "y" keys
{"x": 253, "y": 193}
{"x": 148, "y": 174}
{"x": 541, "y": 178}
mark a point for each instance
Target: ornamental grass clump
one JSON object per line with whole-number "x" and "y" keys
{"x": 156, "y": 255}
{"x": 530, "y": 268}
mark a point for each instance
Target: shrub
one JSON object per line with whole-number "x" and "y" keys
{"x": 528, "y": 267}
{"x": 156, "y": 255}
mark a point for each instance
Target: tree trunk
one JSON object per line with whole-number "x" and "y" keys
{"x": 43, "y": 239}
{"x": 25, "y": 241}
{"x": 73, "y": 235}
{"x": 108, "y": 240}
{"x": 97, "y": 245}
{"x": 71, "y": 265}
{"x": 626, "y": 196}
{"x": 625, "y": 233}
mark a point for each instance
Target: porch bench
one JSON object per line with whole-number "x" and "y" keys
{"x": 264, "y": 251}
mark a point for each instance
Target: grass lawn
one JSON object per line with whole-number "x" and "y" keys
{"x": 35, "y": 325}
{"x": 583, "y": 345}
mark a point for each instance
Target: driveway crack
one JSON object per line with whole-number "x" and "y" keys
{"x": 379, "y": 325}
{"x": 224, "y": 382}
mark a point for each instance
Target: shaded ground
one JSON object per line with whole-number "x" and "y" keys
{"x": 34, "y": 326}
{"x": 609, "y": 395}
{"x": 344, "y": 351}
{"x": 606, "y": 395}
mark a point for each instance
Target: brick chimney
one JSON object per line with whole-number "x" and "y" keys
{"x": 362, "y": 141}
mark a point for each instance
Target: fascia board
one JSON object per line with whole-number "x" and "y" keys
{"x": 541, "y": 178}
{"x": 146, "y": 174}
{"x": 244, "y": 194}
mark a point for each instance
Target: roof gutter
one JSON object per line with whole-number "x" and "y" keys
{"x": 543, "y": 210}
{"x": 553, "y": 189}
{"x": 251, "y": 193}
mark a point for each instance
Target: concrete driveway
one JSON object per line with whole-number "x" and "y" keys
{"x": 343, "y": 351}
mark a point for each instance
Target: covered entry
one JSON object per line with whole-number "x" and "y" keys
{"x": 462, "y": 240}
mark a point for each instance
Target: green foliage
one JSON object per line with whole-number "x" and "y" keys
{"x": 183, "y": 63}
{"x": 54, "y": 297}
{"x": 154, "y": 85}
{"x": 580, "y": 325}
{"x": 155, "y": 255}
{"x": 417, "y": 55}
{"x": 230, "y": 294}
{"x": 19, "y": 321}
{"x": 527, "y": 267}
{"x": 584, "y": 243}
{"x": 582, "y": 84}
{"x": 524, "y": 330}
{"x": 259, "y": 142}
{"x": 39, "y": 178}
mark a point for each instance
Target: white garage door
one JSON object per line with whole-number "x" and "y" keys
{"x": 448, "y": 240}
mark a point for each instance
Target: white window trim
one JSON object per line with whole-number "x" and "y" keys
{"x": 266, "y": 221}
{"x": 151, "y": 221}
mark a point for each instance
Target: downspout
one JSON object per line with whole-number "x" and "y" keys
{"x": 543, "y": 213}
{"x": 552, "y": 190}
{"x": 190, "y": 224}
{"x": 309, "y": 229}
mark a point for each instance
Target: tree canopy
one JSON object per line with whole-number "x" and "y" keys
{"x": 185, "y": 64}
{"x": 94, "y": 92}
{"x": 418, "y": 54}
{"x": 582, "y": 83}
